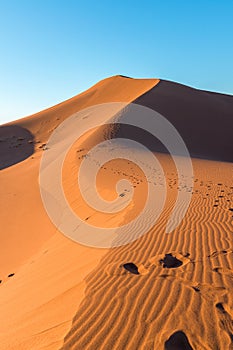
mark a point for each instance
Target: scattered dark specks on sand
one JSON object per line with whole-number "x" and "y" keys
{"x": 216, "y": 269}
{"x": 0, "y": 281}
{"x": 170, "y": 261}
{"x": 196, "y": 289}
{"x": 131, "y": 267}
{"x": 231, "y": 209}
{"x": 11, "y": 275}
{"x": 178, "y": 340}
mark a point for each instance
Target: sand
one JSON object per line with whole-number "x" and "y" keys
{"x": 162, "y": 291}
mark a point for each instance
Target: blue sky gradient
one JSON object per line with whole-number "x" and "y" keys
{"x": 52, "y": 50}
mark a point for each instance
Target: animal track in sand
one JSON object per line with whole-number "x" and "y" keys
{"x": 223, "y": 271}
{"x": 219, "y": 252}
{"x": 11, "y": 275}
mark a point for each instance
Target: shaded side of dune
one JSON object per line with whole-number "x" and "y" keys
{"x": 203, "y": 119}
{"x": 16, "y": 145}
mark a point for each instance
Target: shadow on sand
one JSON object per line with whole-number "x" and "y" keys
{"x": 16, "y": 145}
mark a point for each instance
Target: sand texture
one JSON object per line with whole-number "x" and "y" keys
{"x": 162, "y": 291}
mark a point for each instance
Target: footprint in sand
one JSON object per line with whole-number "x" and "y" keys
{"x": 128, "y": 268}
{"x": 131, "y": 267}
{"x": 178, "y": 341}
{"x": 170, "y": 261}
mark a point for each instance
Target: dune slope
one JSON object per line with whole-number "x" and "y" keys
{"x": 204, "y": 119}
{"x": 46, "y": 266}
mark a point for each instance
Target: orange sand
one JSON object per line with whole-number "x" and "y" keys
{"x": 67, "y": 296}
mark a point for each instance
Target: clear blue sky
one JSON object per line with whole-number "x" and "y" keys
{"x": 52, "y": 50}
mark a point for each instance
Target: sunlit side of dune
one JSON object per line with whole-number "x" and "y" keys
{"x": 49, "y": 268}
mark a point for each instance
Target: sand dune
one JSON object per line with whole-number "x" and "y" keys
{"x": 162, "y": 291}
